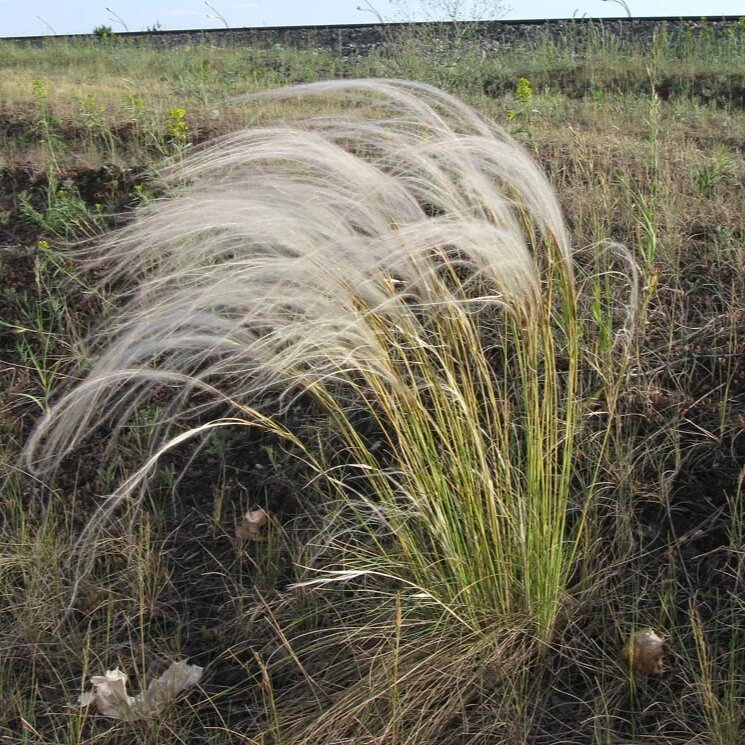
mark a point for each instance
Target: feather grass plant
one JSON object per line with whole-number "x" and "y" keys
{"x": 402, "y": 263}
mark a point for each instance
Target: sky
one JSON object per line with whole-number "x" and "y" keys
{"x": 41, "y": 17}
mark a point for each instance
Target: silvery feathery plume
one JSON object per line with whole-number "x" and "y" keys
{"x": 284, "y": 247}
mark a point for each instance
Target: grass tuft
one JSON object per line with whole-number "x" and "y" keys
{"x": 403, "y": 265}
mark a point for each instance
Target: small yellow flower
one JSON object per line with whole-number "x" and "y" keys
{"x": 523, "y": 91}
{"x": 177, "y": 126}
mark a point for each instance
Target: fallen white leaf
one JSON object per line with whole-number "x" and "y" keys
{"x": 110, "y": 694}
{"x": 112, "y": 700}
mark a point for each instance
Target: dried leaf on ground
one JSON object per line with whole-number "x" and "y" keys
{"x": 252, "y": 527}
{"x": 645, "y": 651}
{"x": 112, "y": 700}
